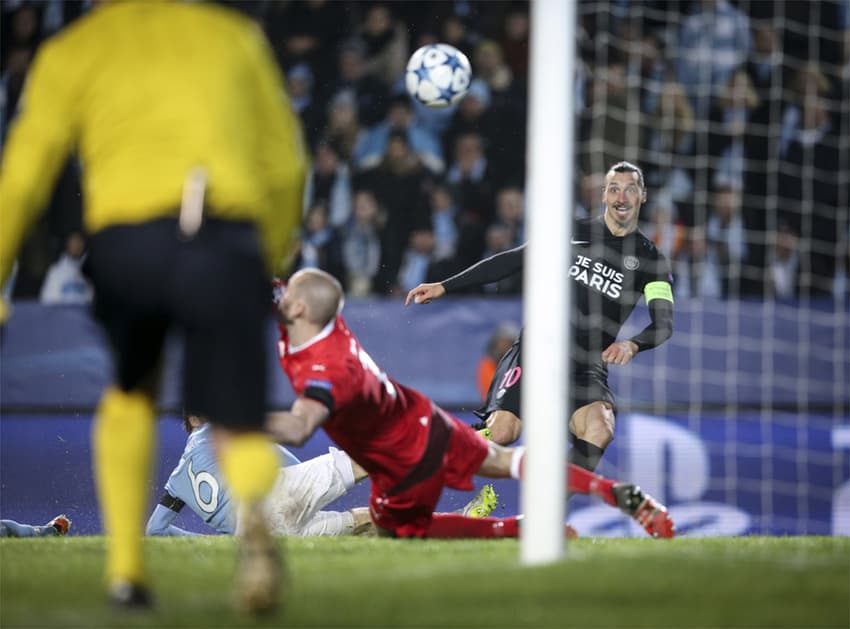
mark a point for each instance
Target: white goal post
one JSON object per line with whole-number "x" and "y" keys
{"x": 546, "y": 298}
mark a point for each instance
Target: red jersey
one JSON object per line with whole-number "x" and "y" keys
{"x": 380, "y": 423}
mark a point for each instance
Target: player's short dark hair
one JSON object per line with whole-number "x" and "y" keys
{"x": 628, "y": 167}
{"x": 187, "y": 425}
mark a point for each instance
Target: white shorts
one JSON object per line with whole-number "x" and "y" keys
{"x": 301, "y": 491}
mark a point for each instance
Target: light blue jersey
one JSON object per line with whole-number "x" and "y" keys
{"x": 197, "y": 482}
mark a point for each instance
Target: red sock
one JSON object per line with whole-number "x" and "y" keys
{"x": 456, "y": 526}
{"x": 583, "y": 482}
{"x": 580, "y": 481}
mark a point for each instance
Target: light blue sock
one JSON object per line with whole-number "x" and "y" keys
{"x": 10, "y": 528}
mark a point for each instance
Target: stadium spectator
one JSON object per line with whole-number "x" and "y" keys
{"x": 65, "y": 282}
{"x": 713, "y": 254}
{"x": 456, "y": 32}
{"x": 157, "y": 255}
{"x": 444, "y": 223}
{"x": 60, "y": 13}
{"x": 809, "y": 192}
{"x": 504, "y": 234}
{"x": 714, "y": 40}
{"x": 514, "y": 42}
{"x": 696, "y": 269}
{"x": 21, "y": 38}
{"x": 361, "y": 247}
{"x": 400, "y": 118}
{"x": 416, "y": 259}
{"x": 813, "y": 33}
{"x": 609, "y": 250}
{"x": 386, "y": 44}
{"x": 668, "y": 139}
{"x": 510, "y": 213}
{"x": 761, "y": 148}
{"x": 400, "y": 186}
{"x": 841, "y": 285}
{"x": 508, "y": 104}
{"x": 369, "y": 93}
{"x": 610, "y": 126}
{"x": 490, "y": 67}
{"x": 473, "y": 116}
{"x": 321, "y": 244}
{"x": 300, "y": 82}
{"x": 372, "y": 145}
{"x": 308, "y": 31}
{"x": 785, "y": 266}
{"x": 727, "y": 239}
{"x": 343, "y": 127}
{"x": 471, "y": 179}
{"x": 294, "y": 505}
{"x": 498, "y": 344}
{"x": 330, "y": 183}
{"x": 502, "y": 146}
{"x": 806, "y": 109}
{"x": 497, "y": 239}
{"x": 57, "y": 527}
{"x": 664, "y": 230}
{"x": 590, "y": 187}
{"x": 410, "y": 447}
{"x": 728, "y": 121}
{"x": 647, "y": 68}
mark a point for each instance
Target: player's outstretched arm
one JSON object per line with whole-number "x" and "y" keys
{"x": 295, "y": 426}
{"x": 160, "y": 524}
{"x": 425, "y": 293}
{"x": 496, "y": 267}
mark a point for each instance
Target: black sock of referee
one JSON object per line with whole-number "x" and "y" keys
{"x": 585, "y": 454}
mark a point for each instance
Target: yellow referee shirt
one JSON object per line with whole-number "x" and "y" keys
{"x": 146, "y": 92}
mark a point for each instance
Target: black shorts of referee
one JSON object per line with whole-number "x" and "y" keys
{"x": 590, "y": 384}
{"x": 212, "y": 288}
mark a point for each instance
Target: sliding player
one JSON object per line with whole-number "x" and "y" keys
{"x": 57, "y": 527}
{"x": 409, "y": 446}
{"x": 293, "y": 506}
{"x": 613, "y": 265}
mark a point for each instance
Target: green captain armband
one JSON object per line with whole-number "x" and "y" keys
{"x": 658, "y": 290}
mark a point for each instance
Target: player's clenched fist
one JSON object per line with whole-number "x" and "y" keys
{"x": 620, "y": 353}
{"x": 424, "y": 293}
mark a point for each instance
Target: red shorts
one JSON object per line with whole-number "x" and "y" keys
{"x": 406, "y": 510}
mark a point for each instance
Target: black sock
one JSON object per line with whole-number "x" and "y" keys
{"x": 585, "y": 454}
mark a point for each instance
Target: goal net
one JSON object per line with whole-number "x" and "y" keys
{"x": 739, "y": 114}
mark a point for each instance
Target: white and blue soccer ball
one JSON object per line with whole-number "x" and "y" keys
{"x": 438, "y": 75}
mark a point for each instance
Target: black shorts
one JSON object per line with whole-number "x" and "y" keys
{"x": 212, "y": 288}
{"x": 590, "y": 384}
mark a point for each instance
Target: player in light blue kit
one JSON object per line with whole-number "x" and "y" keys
{"x": 58, "y": 526}
{"x": 293, "y": 506}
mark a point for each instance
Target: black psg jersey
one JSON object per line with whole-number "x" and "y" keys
{"x": 609, "y": 274}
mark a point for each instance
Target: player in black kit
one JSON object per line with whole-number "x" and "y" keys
{"x": 613, "y": 265}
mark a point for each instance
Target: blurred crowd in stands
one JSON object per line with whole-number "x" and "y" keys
{"x": 739, "y": 113}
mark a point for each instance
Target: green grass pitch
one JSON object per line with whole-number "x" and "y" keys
{"x": 370, "y": 582}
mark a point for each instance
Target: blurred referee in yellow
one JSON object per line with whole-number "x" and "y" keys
{"x": 193, "y": 181}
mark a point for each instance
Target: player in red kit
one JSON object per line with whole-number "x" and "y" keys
{"x": 409, "y": 446}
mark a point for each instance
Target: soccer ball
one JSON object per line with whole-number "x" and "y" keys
{"x": 438, "y": 75}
